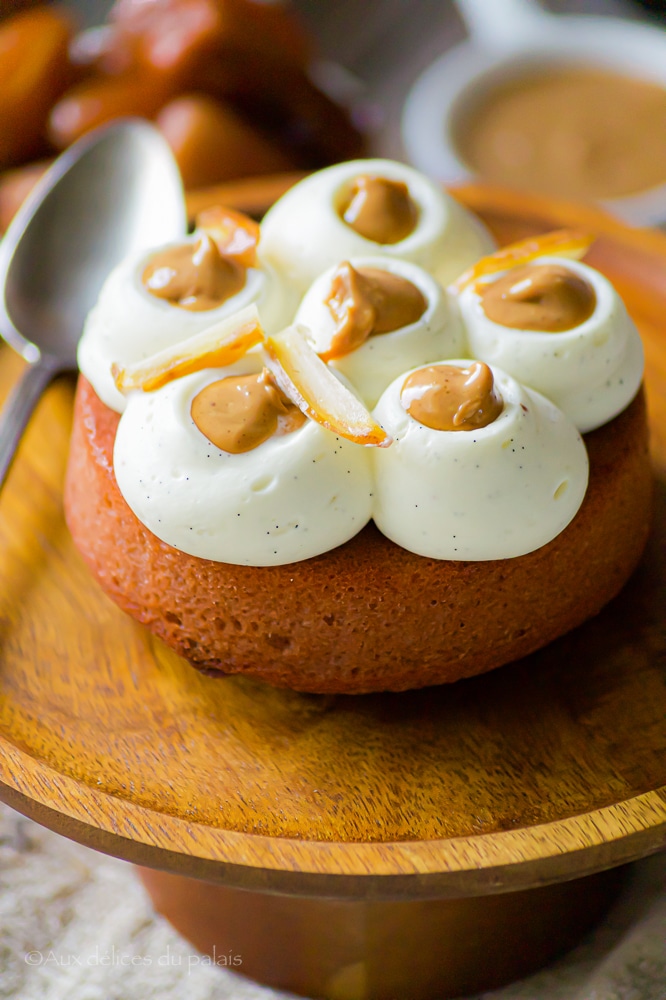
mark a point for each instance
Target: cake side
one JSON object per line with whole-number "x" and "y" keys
{"x": 368, "y": 615}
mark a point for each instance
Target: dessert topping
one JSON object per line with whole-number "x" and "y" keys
{"x": 369, "y": 301}
{"x": 305, "y": 379}
{"x": 505, "y": 489}
{"x": 587, "y": 359}
{"x": 221, "y": 344}
{"x": 547, "y": 297}
{"x": 238, "y": 413}
{"x": 194, "y": 276}
{"x": 235, "y": 234}
{"x": 560, "y": 243}
{"x": 379, "y": 209}
{"x": 448, "y": 398}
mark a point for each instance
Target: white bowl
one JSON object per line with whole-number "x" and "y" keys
{"x": 525, "y": 39}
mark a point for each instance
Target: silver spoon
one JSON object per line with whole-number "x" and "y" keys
{"x": 115, "y": 192}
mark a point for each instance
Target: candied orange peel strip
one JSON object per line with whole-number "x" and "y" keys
{"x": 302, "y": 376}
{"x": 571, "y": 243}
{"x": 235, "y": 234}
{"x": 216, "y": 347}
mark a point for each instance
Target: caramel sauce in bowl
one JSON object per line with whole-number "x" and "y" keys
{"x": 567, "y": 131}
{"x": 546, "y": 59}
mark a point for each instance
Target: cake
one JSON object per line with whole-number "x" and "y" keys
{"x": 357, "y": 479}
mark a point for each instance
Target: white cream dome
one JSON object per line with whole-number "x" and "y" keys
{"x": 291, "y": 498}
{"x": 372, "y": 366}
{"x": 303, "y": 233}
{"x": 591, "y": 372}
{"x": 495, "y": 492}
{"x": 129, "y": 324}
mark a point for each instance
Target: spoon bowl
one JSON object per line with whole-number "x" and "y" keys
{"x": 116, "y": 192}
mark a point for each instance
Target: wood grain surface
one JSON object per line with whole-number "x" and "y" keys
{"x": 549, "y": 768}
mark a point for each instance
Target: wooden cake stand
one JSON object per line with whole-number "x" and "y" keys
{"x": 416, "y": 845}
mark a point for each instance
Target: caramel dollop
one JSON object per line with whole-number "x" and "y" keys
{"x": 194, "y": 276}
{"x": 367, "y": 301}
{"x": 544, "y": 297}
{"x": 448, "y": 398}
{"x": 379, "y": 209}
{"x": 238, "y": 413}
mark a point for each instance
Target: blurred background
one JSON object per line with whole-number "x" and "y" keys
{"x": 252, "y": 87}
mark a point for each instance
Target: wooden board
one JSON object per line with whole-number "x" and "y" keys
{"x": 547, "y": 769}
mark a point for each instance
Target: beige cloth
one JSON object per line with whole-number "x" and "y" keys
{"x": 76, "y": 925}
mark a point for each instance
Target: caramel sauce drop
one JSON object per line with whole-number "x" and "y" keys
{"x": 549, "y": 298}
{"x": 367, "y": 301}
{"x": 380, "y": 210}
{"x": 448, "y": 398}
{"x": 194, "y": 276}
{"x": 238, "y": 413}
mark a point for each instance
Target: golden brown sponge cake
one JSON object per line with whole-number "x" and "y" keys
{"x": 229, "y": 487}
{"x": 368, "y": 615}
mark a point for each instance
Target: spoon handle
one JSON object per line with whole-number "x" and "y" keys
{"x": 19, "y": 406}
